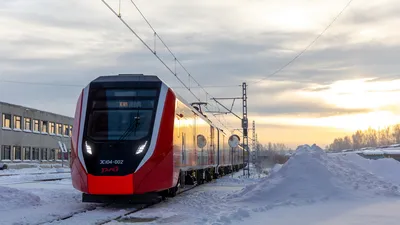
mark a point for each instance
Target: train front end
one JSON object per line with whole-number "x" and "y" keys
{"x": 122, "y": 138}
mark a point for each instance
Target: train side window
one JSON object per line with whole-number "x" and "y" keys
{"x": 201, "y": 141}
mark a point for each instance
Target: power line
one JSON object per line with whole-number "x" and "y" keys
{"x": 77, "y": 85}
{"x": 155, "y": 53}
{"x": 212, "y": 86}
{"x": 175, "y": 58}
{"x": 308, "y": 46}
{"x": 40, "y": 83}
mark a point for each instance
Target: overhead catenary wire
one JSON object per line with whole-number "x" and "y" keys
{"x": 212, "y": 86}
{"x": 40, "y": 83}
{"x": 166, "y": 46}
{"x": 82, "y": 86}
{"x": 156, "y": 34}
{"x": 155, "y": 54}
{"x": 148, "y": 47}
{"x": 308, "y": 46}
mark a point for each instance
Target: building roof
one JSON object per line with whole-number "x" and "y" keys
{"x": 33, "y": 109}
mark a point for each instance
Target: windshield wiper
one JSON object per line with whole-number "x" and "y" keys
{"x": 132, "y": 127}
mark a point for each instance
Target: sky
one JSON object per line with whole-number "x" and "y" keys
{"x": 347, "y": 80}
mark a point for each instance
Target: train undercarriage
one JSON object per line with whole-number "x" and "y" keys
{"x": 187, "y": 180}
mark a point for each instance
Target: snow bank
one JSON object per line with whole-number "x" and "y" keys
{"x": 385, "y": 168}
{"x": 276, "y": 168}
{"x": 311, "y": 175}
{"x": 11, "y": 198}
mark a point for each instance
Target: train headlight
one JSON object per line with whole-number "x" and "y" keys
{"x": 141, "y": 148}
{"x": 88, "y": 148}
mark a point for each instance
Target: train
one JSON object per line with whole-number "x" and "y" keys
{"x": 134, "y": 137}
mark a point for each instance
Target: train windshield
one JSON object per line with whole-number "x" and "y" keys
{"x": 120, "y": 114}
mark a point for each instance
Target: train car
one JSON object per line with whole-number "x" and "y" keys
{"x": 133, "y": 136}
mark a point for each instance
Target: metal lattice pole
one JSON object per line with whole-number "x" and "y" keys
{"x": 245, "y": 126}
{"x": 254, "y": 148}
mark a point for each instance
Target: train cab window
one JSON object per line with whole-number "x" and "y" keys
{"x": 121, "y": 114}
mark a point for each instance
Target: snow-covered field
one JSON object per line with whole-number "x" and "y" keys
{"x": 311, "y": 188}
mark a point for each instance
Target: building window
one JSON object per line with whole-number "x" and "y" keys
{"x": 17, "y": 122}
{"x": 27, "y": 153}
{"x": 7, "y": 120}
{"x": 59, "y": 154}
{"x": 6, "y": 152}
{"x": 66, "y": 130}
{"x": 43, "y": 152}
{"x": 17, "y": 152}
{"x": 59, "y": 129}
{"x": 70, "y": 130}
{"x": 28, "y": 124}
{"x": 52, "y": 154}
{"x": 35, "y": 153}
{"x": 36, "y": 125}
{"x": 52, "y": 128}
{"x": 44, "y": 125}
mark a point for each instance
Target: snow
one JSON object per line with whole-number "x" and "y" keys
{"x": 312, "y": 187}
{"x": 385, "y": 168}
{"x": 373, "y": 152}
{"x": 276, "y": 168}
{"x": 12, "y": 198}
{"x": 311, "y": 175}
{"x": 35, "y": 202}
{"x": 35, "y": 170}
{"x": 310, "y": 182}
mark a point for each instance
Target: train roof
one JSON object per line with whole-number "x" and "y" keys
{"x": 127, "y": 78}
{"x": 148, "y": 78}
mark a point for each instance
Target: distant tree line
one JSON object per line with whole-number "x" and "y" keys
{"x": 276, "y": 147}
{"x": 276, "y": 151}
{"x": 367, "y": 138}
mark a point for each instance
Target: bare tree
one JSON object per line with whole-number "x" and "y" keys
{"x": 371, "y": 138}
{"x": 358, "y": 139}
{"x": 385, "y": 136}
{"x": 396, "y": 133}
{"x": 368, "y": 138}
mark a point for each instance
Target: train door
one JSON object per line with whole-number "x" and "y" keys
{"x": 218, "y": 148}
{"x": 177, "y": 138}
{"x": 183, "y": 156}
{"x": 212, "y": 146}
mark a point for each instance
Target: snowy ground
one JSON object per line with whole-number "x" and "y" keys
{"x": 311, "y": 188}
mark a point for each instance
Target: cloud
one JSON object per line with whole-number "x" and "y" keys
{"x": 73, "y": 42}
{"x": 304, "y": 109}
{"x": 298, "y": 135}
{"x": 372, "y": 12}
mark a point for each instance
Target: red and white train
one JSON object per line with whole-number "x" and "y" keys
{"x": 133, "y": 136}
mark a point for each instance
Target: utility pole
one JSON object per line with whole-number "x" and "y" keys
{"x": 254, "y": 135}
{"x": 245, "y": 126}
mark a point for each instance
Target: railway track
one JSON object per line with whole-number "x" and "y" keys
{"x": 141, "y": 208}
{"x": 109, "y": 212}
{"x": 36, "y": 181}
{"x": 19, "y": 174}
